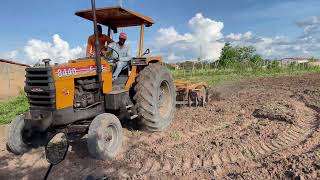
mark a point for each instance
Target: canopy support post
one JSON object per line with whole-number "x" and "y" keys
{"x": 97, "y": 55}
{"x": 141, "y": 40}
{"x": 109, "y": 31}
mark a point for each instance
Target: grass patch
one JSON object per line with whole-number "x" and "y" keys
{"x": 175, "y": 136}
{"x": 136, "y": 133}
{"x": 218, "y": 76}
{"x": 13, "y": 107}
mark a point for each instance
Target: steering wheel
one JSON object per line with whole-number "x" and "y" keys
{"x": 111, "y": 55}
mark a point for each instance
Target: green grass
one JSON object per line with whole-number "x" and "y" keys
{"x": 13, "y": 107}
{"x": 218, "y": 76}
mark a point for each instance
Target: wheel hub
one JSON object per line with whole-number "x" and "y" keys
{"x": 164, "y": 100}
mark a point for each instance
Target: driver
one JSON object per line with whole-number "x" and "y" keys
{"x": 103, "y": 39}
{"x": 123, "y": 50}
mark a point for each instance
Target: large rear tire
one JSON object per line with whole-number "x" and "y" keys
{"x": 155, "y": 97}
{"x": 15, "y": 142}
{"x": 104, "y": 137}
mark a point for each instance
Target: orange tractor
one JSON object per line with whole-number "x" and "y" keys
{"x": 80, "y": 97}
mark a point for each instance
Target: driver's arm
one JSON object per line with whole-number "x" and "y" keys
{"x": 108, "y": 40}
{"x": 89, "y": 46}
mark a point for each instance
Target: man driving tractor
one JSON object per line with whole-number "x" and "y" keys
{"x": 123, "y": 50}
{"x": 103, "y": 40}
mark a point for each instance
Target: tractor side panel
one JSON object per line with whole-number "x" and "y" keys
{"x": 64, "y": 93}
{"x": 107, "y": 80}
{"x": 65, "y": 74}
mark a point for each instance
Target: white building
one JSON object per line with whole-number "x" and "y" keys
{"x": 296, "y": 60}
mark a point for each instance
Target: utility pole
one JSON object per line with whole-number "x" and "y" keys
{"x": 200, "y": 58}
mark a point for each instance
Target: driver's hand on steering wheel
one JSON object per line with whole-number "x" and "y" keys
{"x": 106, "y": 52}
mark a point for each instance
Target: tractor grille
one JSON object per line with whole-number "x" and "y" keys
{"x": 40, "y": 88}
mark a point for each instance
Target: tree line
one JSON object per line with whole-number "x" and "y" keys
{"x": 234, "y": 57}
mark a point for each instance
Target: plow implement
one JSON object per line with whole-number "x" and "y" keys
{"x": 191, "y": 94}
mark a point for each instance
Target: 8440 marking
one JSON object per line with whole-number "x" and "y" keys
{"x": 73, "y": 71}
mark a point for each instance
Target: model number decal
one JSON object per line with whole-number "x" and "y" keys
{"x": 66, "y": 72}
{"x": 72, "y": 71}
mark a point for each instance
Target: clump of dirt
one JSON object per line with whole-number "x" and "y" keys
{"x": 311, "y": 97}
{"x": 278, "y": 111}
{"x": 303, "y": 166}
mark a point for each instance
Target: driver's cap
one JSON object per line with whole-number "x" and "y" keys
{"x": 123, "y": 35}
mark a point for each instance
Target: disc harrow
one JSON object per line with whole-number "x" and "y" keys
{"x": 191, "y": 94}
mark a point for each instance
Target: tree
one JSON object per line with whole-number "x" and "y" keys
{"x": 243, "y": 57}
{"x": 256, "y": 61}
{"x": 228, "y": 56}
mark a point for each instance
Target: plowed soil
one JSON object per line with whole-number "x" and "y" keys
{"x": 266, "y": 128}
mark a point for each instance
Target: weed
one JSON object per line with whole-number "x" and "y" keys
{"x": 136, "y": 133}
{"x": 13, "y": 107}
{"x": 175, "y": 135}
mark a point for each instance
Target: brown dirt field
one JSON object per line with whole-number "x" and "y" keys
{"x": 266, "y": 128}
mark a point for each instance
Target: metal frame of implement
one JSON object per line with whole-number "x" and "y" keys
{"x": 191, "y": 94}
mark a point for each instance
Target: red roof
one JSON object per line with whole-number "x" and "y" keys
{"x": 11, "y": 62}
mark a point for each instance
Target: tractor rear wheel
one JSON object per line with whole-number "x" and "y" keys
{"x": 15, "y": 142}
{"x": 155, "y": 97}
{"x": 104, "y": 137}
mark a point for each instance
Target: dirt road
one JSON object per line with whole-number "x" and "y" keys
{"x": 257, "y": 129}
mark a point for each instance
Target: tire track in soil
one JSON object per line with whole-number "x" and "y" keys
{"x": 196, "y": 132}
{"x": 152, "y": 138}
{"x": 306, "y": 123}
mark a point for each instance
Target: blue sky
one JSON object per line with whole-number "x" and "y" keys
{"x": 277, "y": 20}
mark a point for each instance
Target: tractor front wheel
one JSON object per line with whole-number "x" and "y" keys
{"x": 104, "y": 137}
{"x": 15, "y": 142}
{"x": 155, "y": 97}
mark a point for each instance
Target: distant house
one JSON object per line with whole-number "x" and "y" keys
{"x": 174, "y": 66}
{"x": 12, "y": 77}
{"x": 296, "y": 60}
{"x": 314, "y": 63}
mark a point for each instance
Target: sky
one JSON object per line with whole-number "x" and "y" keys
{"x": 184, "y": 29}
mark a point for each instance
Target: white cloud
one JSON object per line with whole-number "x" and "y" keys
{"x": 239, "y": 36}
{"x": 204, "y": 34}
{"x": 310, "y": 24}
{"x": 58, "y": 50}
{"x": 169, "y": 36}
{"x": 11, "y": 55}
{"x": 174, "y": 58}
{"x": 307, "y": 44}
{"x": 265, "y": 46}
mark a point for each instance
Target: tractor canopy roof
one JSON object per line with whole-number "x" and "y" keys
{"x": 116, "y": 17}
